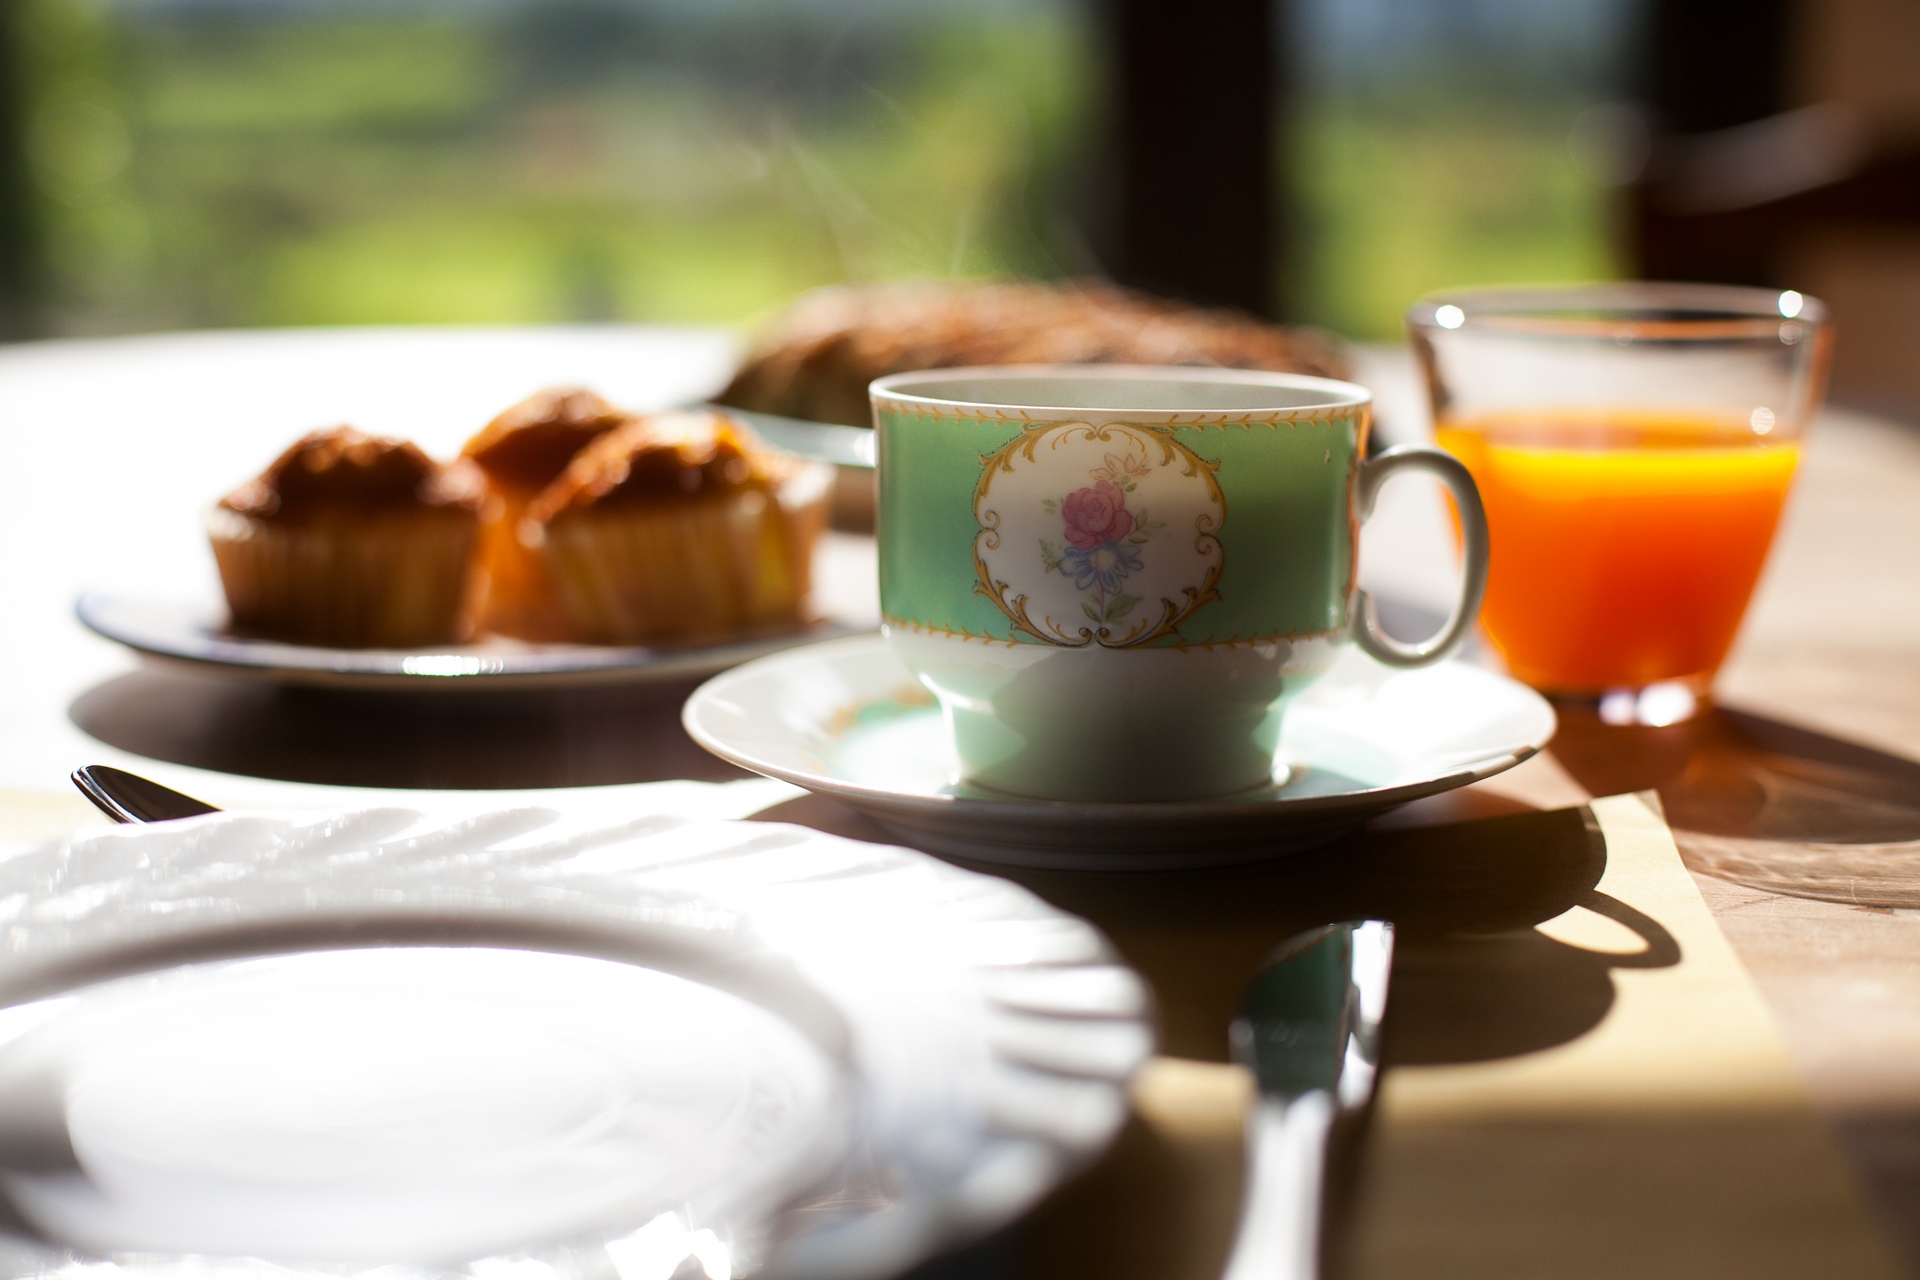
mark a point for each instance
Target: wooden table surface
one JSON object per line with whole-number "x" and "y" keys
{"x": 1795, "y": 800}
{"x": 1797, "y": 804}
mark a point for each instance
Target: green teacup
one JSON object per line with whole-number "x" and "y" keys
{"x": 1114, "y": 579}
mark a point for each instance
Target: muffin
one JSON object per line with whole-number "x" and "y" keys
{"x": 354, "y": 541}
{"x": 523, "y": 451}
{"x": 680, "y": 527}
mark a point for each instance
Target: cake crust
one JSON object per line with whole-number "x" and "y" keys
{"x": 341, "y": 470}
{"x": 663, "y": 457}
{"x": 815, "y": 362}
{"x": 529, "y": 445}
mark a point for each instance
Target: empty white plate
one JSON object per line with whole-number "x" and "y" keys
{"x": 417, "y": 1104}
{"x": 540, "y": 1043}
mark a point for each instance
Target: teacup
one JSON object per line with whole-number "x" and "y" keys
{"x": 1114, "y": 579}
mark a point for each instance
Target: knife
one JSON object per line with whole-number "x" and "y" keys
{"x": 128, "y": 797}
{"x": 1309, "y": 1030}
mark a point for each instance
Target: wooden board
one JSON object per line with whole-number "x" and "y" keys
{"x": 1595, "y": 1092}
{"x": 1582, "y": 1079}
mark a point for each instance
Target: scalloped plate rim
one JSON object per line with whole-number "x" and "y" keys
{"x": 746, "y": 868}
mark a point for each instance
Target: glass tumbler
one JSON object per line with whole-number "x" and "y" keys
{"x": 1634, "y": 445}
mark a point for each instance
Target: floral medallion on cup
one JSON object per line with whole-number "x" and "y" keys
{"x": 1098, "y": 534}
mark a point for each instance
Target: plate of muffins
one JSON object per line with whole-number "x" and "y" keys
{"x": 570, "y": 542}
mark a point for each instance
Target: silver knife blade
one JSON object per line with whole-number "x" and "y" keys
{"x": 1309, "y": 1030}
{"x": 128, "y": 797}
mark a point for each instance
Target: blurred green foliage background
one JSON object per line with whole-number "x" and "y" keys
{"x": 291, "y": 162}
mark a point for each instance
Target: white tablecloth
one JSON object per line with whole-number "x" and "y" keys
{"x": 110, "y": 449}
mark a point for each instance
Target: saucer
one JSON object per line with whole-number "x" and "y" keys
{"x": 846, "y": 719}
{"x": 533, "y": 1041}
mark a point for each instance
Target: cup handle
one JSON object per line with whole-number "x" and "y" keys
{"x": 1447, "y": 469}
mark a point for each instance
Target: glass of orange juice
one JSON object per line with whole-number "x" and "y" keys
{"x": 1634, "y": 445}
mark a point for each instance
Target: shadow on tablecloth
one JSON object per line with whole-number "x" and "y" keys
{"x": 483, "y": 741}
{"x": 1473, "y": 979}
{"x": 1763, "y": 803}
{"x": 1671, "y": 1192}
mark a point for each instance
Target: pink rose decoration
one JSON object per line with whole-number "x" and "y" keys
{"x": 1096, "y": 514}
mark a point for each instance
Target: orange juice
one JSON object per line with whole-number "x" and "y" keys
{"x": 1624, "y": 547}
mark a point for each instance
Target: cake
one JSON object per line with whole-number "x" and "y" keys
{"x": 353, "y": 541}
{"x": 680, "y": 527}
{"x": 523, "y": 451}
{"x": 815, "y": 361}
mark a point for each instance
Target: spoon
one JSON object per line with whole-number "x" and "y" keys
{"x": 128, "y": 797}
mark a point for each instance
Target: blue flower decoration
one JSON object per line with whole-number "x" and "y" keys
{"x": 1107, "y": 564}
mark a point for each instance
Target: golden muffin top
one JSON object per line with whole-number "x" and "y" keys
{"x": 662, "y": 457}
{"x": 341, "y": 469}
{"x": 529, "y": 445}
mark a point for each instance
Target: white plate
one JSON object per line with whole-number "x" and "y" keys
{"x": 526, "y": 1043}
{"x": 846, "y": 719}
{"x": 174, "y": 631}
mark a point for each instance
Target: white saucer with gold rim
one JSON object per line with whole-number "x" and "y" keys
{"x": 846, "y": 719}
